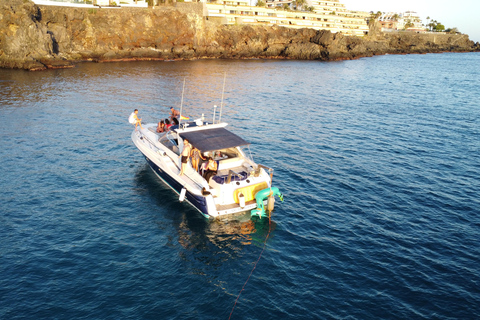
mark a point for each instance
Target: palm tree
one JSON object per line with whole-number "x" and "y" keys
{"x": 408, "y": 24}
{"x": 300, "y": 3}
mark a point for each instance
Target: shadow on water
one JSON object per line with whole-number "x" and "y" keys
{"x": 209, "y": 241}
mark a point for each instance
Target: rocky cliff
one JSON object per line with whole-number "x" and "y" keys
{"x": 38, "y": 37}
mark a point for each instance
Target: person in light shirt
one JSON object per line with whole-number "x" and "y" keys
{"x": 133, "y": 119}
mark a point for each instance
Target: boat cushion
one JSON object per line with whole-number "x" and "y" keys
{"x": 249, "y": 192}
{"x": 240, "y": 176}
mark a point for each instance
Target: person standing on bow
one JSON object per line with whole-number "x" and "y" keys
{"x": 187, "y": 149}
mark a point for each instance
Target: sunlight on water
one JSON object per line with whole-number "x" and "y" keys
{"x": 377, "y": 159}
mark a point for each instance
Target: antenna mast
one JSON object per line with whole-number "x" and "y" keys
{"x": 214, "y": 108}
{"x": 181, "y": 104}
{"x": 221, "y": 104}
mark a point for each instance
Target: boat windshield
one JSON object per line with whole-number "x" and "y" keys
{"x": 245, "y": 152}
{"x": 170, "y": 141}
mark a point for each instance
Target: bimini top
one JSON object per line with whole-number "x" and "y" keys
{"x": 213, "y": 139}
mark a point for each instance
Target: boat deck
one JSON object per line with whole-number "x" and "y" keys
{"x": 221, "y": 207}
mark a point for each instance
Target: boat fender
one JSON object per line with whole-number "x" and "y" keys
{"x": 271, "y": 202}
{"x": 241, "y": 200}
{"x": 182, "y": 194}
{"x": 205, "y": 192}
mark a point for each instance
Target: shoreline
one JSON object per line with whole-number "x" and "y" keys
{"x": 40, "y": 37}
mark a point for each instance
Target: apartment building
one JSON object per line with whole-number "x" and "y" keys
{"x": 327, "y": 15}
{"x": 408, "y": 20}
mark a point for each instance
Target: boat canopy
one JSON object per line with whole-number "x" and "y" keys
{"x": 213, "y": 139}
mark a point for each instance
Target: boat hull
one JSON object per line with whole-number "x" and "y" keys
{"x": 212, "y": 199}
{"x": 199, "y": 202}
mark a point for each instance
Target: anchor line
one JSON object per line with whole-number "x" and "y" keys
{"x": 255, "y": 265}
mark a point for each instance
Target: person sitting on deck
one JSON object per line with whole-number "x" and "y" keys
{"x": 175, "y": 121}
{"x": 161, "y": 127}
{"x": 167, "y": 124}
{"x": 211, "y": 169}
{"x": 133, "y": 119}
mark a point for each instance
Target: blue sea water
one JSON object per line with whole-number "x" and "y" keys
{"x": 378, "y": 160}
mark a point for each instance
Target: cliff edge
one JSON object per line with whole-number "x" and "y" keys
{"x": 39, "y": 37}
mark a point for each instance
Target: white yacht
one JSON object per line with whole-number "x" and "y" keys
{"x": 239, "y": 184}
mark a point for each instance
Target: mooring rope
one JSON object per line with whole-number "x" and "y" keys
{"x": 255, "y": 265}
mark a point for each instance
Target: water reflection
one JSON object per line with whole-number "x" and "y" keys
{"x": 209, "y": 241}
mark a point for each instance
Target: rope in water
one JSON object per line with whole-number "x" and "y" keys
{"x": 254, "y": 266}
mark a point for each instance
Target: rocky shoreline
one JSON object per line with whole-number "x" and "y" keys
{"x": 41, "y": 37}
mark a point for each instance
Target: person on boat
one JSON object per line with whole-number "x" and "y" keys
{"x": 167, "y": 124}
{"x": 218, "y": 155}
{"x": 187, "y": 149}
{"x": 161, "y": 126}
{"x": 133, "y": 119}
{"x": 196, "y": 156}
{"x": 174, "y": 113}
{"x": 211, "y": 169}
{"x": 174, "y": 121}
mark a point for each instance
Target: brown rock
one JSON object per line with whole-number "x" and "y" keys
{"x": 39, "y": 37}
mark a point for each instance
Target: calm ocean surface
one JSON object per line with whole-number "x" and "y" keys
{"x": 378, "y": 159}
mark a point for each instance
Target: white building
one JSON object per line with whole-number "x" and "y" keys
{"x": 327, "y": 15}
{"x": 400, "y": 20}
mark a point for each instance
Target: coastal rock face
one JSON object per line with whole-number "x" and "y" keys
{"x": 23, "y": 40}
{"x": 38, "y": 37}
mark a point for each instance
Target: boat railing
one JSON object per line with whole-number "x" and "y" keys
{"x": 153, "y": 146}
{"x": 268, "y": 169}
{"x": 232, "y": 173}
{"x": 151, "y": 143}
